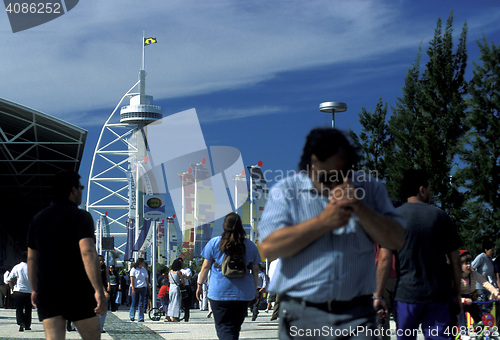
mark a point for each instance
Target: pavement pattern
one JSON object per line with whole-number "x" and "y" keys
{"x": 118, "y": 326}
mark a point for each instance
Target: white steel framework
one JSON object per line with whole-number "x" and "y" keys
{"x": 119, "y": 160}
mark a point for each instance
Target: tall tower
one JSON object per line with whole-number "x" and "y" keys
{"x": 118, "y": 179}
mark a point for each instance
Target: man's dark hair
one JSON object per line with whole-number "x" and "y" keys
{"x": 327, "y": 142}
{"x": 488, "y": 244}
{"x": 412, "y": 181}
{"x": 64, "y": 181}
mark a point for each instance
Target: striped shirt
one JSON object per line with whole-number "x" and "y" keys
{"x": 340, "y": 265}
{"x": 470, "y": 282}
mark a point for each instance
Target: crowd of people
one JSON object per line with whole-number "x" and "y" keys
{"x": 346, "y": 259}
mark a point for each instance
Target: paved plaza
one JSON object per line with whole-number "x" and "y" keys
{"x": 118, "y": 326}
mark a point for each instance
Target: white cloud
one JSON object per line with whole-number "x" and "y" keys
{"x": 90, "y": 57}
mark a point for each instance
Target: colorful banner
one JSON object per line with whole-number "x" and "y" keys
{"x": 160, "y": 242}
{"x": 198, "y": 212}
{"x": 172, "y": 249}
{"x": 145, "y": 234}
{"x": 260, "y": 194}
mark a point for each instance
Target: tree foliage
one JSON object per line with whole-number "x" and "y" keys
{"x": 450, "y": 128}
{"x": 481, "y": 151}
{"x": 375, "y": 138}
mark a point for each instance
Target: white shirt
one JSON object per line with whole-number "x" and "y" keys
{"x": 20, "y": 271}
{"x": 272, "y": 268}
{"x": 140, "y": 276}
{"x": 6, "y": 277}
{"x": 186, "y": 272}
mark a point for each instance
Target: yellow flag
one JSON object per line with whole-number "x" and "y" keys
{"x": 149, "y": 41}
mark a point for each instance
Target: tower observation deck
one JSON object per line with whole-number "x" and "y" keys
{"x": 141, "y": 110}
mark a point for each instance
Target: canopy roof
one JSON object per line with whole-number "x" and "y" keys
{"x": 33, "y": 147}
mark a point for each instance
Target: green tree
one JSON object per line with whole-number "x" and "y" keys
{"x": 444, "y": 112}
{"x": 403, "y": 126}
{"x": 481, "y": 175}
{"x": 428, "y": 121}
{"x": 374, "y": 139}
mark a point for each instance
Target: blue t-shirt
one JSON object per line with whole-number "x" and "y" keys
{"x": 221, "y": 288}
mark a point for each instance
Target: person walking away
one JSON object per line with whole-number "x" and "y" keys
{"x": 187, "y": 274}
{"x": 322, "y": 224}
{"x": 230, "y": 295}
{"x": 175, "y": 300}
{"x": 428, "y": 287}
{"x": 63, "y": 228}
{"x": 20, "y": 284}
{"x": 261, "y": 289}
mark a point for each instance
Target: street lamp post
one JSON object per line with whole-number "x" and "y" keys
{"x": 332, "y": 107}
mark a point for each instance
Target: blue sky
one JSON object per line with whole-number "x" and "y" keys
{"x": 256, "y": 71}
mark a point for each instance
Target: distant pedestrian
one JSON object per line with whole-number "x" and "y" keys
{"x": 276, "y": 296}
{"x": 229, "y": 296}
{"x": 261, "y": 289}
{"x": 105, "y": 285}
{"x": 63, "y": 233}
{"x": 19, "y": 281}
{"x": 114, "y": 287}
{"x": 204, "y": 289}
{"x": 483, "y": 264}
{"x": 125, "y": 283}
{"x": 4, "y": 289}
{"x": 187, "y": 302}
{"x": 139, "y": 282}
{"x": 175, "y": 279}
{"x": 428, "y": 265}
{"x": 163, "y": 296}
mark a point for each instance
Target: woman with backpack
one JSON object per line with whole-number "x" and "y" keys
{"x": 232, "y": 285}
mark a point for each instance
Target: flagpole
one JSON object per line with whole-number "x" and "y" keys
{"x": 251, "y": 203}
{"x": 143, "y": 48}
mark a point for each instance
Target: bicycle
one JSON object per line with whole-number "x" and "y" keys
{"x": 483, "y": 329}
{"x": 156, "y": 313}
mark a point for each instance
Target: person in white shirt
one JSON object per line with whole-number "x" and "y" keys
{"x": 139, "y": 284}
{"x": 4, "y": 290}
{"x": 19, "y": 282}
{"x": 270, "y": 273}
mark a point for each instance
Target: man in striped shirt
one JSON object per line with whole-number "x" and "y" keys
{"x": 323, "y": 223}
